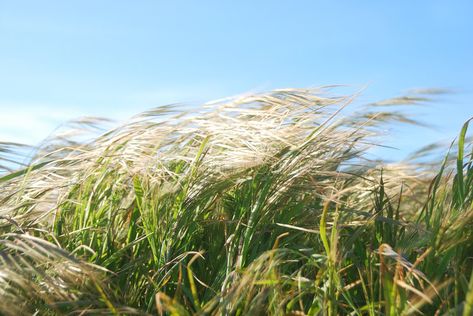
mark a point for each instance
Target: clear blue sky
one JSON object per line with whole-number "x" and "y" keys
{"x": 62, "y": 59}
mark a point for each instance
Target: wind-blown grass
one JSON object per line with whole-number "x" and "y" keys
{"x": 260, "y": 204}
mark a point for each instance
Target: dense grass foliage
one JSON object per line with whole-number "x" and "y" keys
{"x": 260, "y": 204}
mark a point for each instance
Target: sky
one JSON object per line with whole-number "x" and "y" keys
{"x": 63, "y": 59}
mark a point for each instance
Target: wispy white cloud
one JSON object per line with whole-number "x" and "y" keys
{"x": 31, "y": 123}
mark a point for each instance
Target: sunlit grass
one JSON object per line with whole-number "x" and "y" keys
{"x": 261, "y": 204}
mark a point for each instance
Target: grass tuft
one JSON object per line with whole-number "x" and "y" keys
{"x": 255, "y": 205}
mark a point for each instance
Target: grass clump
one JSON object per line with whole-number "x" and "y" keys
{"x": 260, "y": 204}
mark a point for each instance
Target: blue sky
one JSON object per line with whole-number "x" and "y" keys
{"x": 63, "y": 59}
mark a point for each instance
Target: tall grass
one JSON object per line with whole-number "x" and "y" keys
{"x": 255, "y": 205}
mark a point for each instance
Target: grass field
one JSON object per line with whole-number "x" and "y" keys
{"x": 264, "y": 204}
